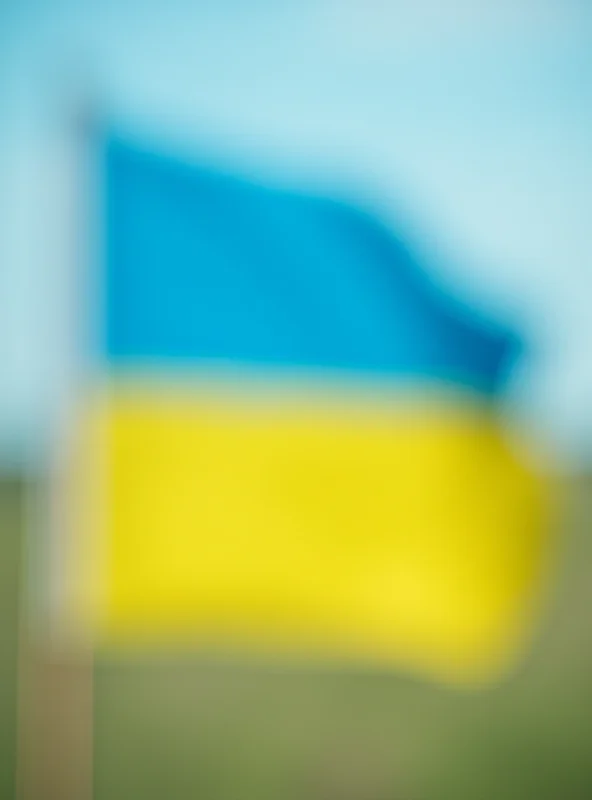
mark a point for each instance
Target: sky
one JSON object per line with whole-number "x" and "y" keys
{"x": 468, "y": 123}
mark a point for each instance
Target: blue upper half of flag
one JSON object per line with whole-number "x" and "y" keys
{"x": 203, "y": 265}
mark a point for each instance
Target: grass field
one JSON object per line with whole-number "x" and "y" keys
{"x": 11, "y": 496}
{"x": 180, "y": 728}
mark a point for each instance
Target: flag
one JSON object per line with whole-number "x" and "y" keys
{"x": 293, "y": 441}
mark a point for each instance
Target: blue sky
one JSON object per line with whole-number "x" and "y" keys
{"x": 469, "y": 121}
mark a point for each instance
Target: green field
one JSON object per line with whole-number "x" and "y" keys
{"x": 11, "y": 524}
{"x": 177, "y": 728}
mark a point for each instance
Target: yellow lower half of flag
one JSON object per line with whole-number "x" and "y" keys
{"x": 396, "y": 534}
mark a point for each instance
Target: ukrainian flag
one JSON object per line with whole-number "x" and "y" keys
{"x": 295, "y": 436}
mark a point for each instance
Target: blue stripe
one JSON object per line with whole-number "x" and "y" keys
{"x": 203, "y": 265}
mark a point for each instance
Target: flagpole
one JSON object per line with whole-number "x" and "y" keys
{"x": 55, "y": 715}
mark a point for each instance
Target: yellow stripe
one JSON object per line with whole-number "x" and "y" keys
{"x": 402, "y": 535}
